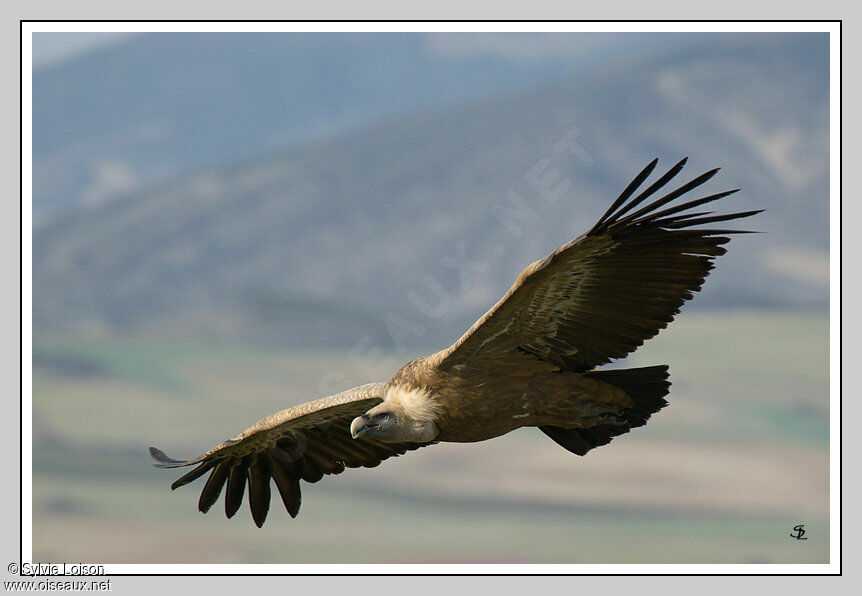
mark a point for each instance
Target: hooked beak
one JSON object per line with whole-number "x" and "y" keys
{"x": 360, "y": 425}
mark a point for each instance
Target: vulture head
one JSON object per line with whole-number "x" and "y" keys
{"x": 403, "y": 417}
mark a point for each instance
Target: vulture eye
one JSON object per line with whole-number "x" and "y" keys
{"x": 383, "y": 417}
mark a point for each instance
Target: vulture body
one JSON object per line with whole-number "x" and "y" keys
{"x": 529, "y": 361}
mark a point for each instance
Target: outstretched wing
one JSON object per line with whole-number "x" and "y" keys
{"x": 304, "y": 442}
{"x": 601, "y": 295}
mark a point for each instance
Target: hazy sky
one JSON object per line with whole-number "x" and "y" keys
{"x": 51, "y": 48}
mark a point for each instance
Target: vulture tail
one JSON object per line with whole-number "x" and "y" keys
{"x": 646, "y": 386}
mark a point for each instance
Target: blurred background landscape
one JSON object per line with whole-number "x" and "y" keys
{"x": 229, "y": 224}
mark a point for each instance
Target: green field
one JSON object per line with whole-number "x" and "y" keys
{"x": 722, "y": 475}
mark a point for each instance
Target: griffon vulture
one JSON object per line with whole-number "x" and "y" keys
{"x": 529, "y": 361}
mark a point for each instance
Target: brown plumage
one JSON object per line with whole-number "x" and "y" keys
{"x": 529, "y": 361}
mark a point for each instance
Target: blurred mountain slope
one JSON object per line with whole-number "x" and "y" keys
{"x": 161, "y": 105}
{"x": 407, "y": 229}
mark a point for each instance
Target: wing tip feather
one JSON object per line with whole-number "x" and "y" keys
{"x": 648, "y": 215}
{"x": 163, "y": 461}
